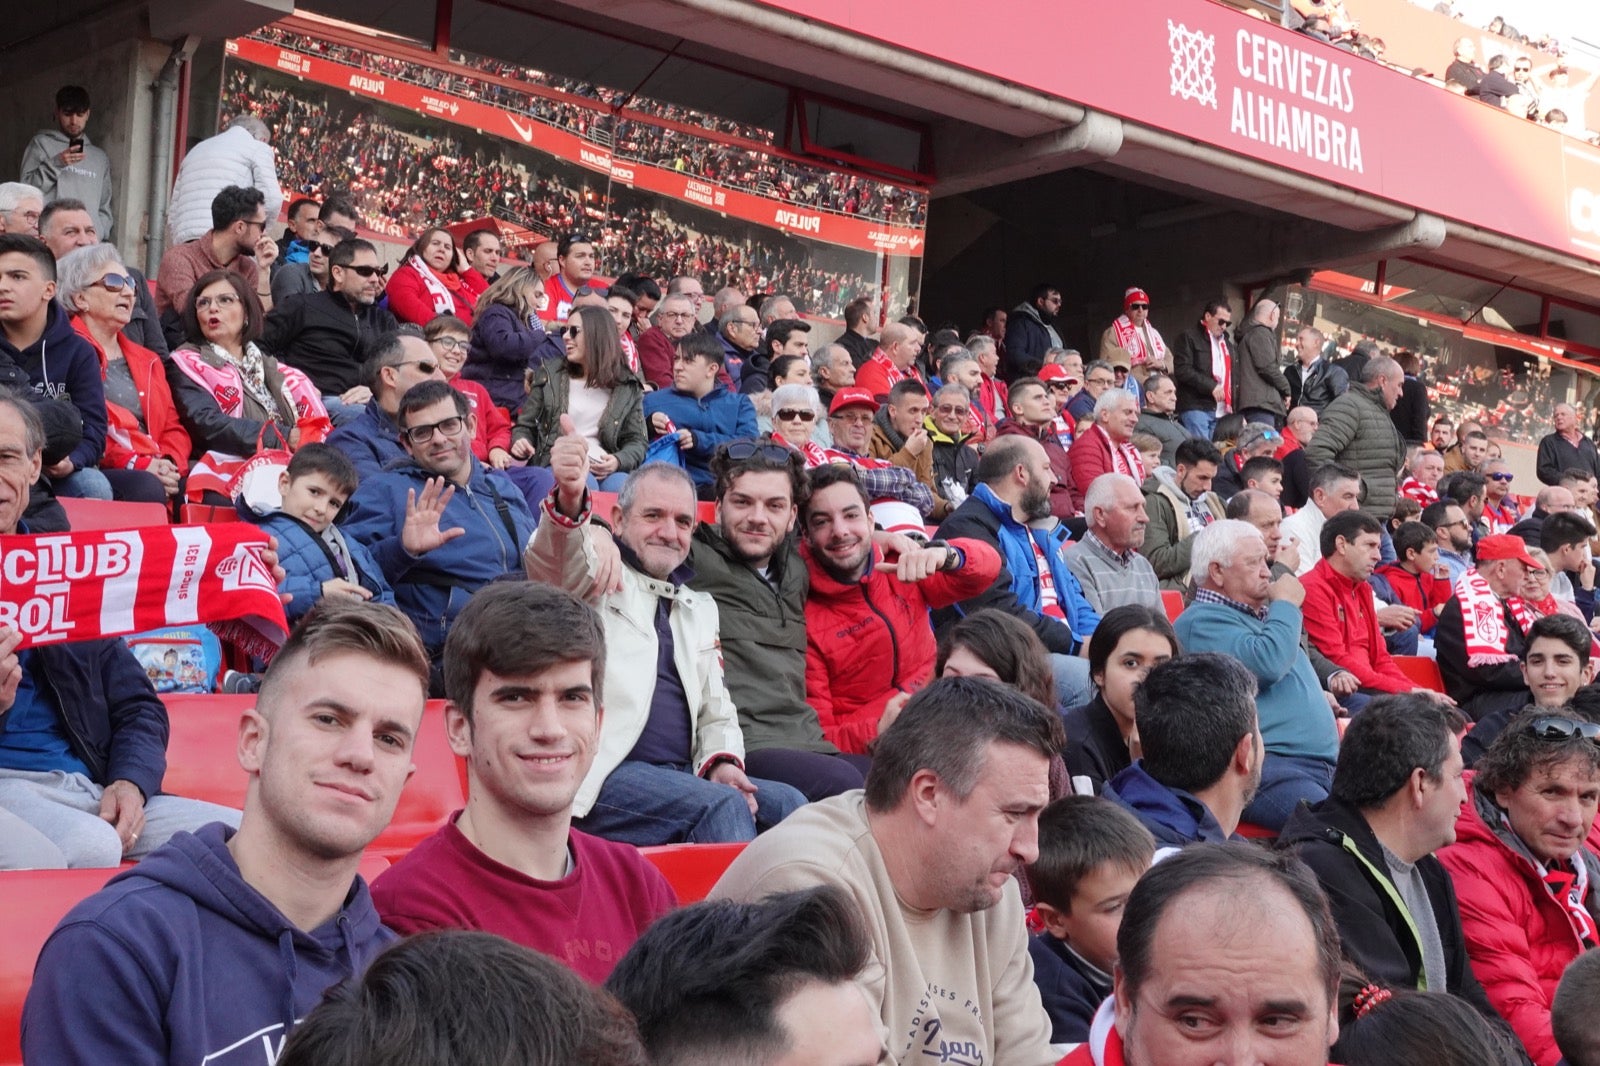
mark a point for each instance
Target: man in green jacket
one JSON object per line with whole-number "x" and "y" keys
{"x": 1356, "y": 431}
{"x": 748, "y": 563}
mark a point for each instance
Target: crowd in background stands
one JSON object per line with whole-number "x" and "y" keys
{"x": 631, "y": 138}
{"x": 1542, "y": 92}
{"x": 403, "y": 180}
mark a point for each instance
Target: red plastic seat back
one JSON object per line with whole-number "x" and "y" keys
{"x": 34, "y": 902}
{"x": 1172, "y": 600}
{"x": 1421, "y": 669}
{"x": 111, "y": 514}
{"x": 692, "y": 869}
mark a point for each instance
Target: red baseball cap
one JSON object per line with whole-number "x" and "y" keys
{"x": 1056, "y": 372}
{"x": 851, "y": 397}
{"x": 1505, "y": 546}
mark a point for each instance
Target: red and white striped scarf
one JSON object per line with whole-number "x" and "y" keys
{"x": 1125, "y": 458}
{"x": 1412, "y": 489}
{"x": 1131, "y": 340}
{"x": 1483, "y": 620}
{"x": 813, "y": 452}
{"x": 58, "y": 587}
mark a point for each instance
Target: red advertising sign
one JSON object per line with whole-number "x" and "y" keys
{"x": 793, "y": 219}
{"x": 1212, "y": 74}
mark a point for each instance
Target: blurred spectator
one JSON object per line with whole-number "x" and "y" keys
{"x": 1422, "y": 483}
{"x": 236, "y": 242}
{"x": 1133, "y": 337}
{"x": 955, "y": 460}
{"x": 1262, "y": 392}
{"x": 20, "y": 205}
{"x": 1203, "y": 368}
{"x": 430, "y": 282}
{"x": 1410, "y": 415}
{"x": 1482, "y": 630}
{"x": 240, "y": 156}
{"x": 658, "y": 345}
{"x": 1463, "y": 69}
{"x": 1031, "y": 331}
{"x": 508, "y": 338}
{"x": 448, "y": 336}
{"x": 1500, "y": 510}
{"x": 1159, "y": 418}
{"x": 1313, "y": 381}
{"x": 1566, "y": 448}
{"x": 373, "y": 440}
{"x": 63, "y": 164}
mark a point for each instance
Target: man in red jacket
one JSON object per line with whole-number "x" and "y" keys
{"x": 659, "y": 344}
{"x": 1341, "y": 613}
{"x": 1524, "y": 879}
{"x": 869, "y": 644}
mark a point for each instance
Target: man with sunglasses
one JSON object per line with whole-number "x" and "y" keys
{"x": 440, "y": 524}
{"x": 955, "y": 460}
{"x": 1202, "y": 366}
{"x": 1500, "y": 511}
{"x": 310, "y": 274}
{"x": 236, "y": 241}
{"x": 1524, "y": 873}
{"x": 330, "y": 334}
{"x": 372, "y": 440}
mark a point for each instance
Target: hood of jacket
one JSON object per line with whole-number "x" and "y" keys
{"x": 1330, "y": 821}
{"x": 58, "y": 333}
{"x": 1027, "y": 310}
{"x": 1173, "y": 815}
{"x": 276, "y": 963}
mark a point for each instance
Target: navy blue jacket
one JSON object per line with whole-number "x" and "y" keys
{"x": 432, "y": 589}
{"x": 112, "y": 717}
{"x": 179, "y": 959}
{"x": 1071, "y": 990}
{"x": 63, "y": 366}
{"x": 1173, "y": 816}
{"x": 371, "y": 441}
{"x": 716, "y": 418}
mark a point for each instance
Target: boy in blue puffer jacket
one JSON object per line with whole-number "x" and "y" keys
{"x": 317, "y": 559}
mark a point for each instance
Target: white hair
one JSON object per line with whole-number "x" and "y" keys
{"x": 1102, "y": 494}
{"x": 1219, "y": 543}
{"x": 796, "y": 396}
{"x": 12, "y": 193}
{"x": 253, "y": 126}
{"x": 78, "y": 269}
{"x": 1112, "y": 399}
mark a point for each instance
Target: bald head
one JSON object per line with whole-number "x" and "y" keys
{"x": 1555, "y": 498}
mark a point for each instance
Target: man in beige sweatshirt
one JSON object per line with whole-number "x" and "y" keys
{"x": 929, "y": 852}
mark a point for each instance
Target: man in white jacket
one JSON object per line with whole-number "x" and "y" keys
{"x": 670, "y": 763}
{"x": 239, "y": 155}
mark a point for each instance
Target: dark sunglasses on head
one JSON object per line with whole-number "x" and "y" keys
{"x": 740, "y": 450}
{"x": 369, "y": 271}
{"x": 1557, "y": 729}
{"x": 791, "y": 414}
{"x": 1501, "y": 477}
{"x": 115, "y": 282}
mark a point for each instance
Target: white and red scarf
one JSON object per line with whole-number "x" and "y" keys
{"x": 443, "y": 302}
{"x": 1131, "y": 339}
{"x": 1483, "y": 620}
{"x": 59, "y": 587}
{"x": 893, "y": 373}
{"x": 814, "y": 454}
{"x": 1412, "y": 489}
{"x": 1501, "y": 518}
{"x": 1125, "y": 458}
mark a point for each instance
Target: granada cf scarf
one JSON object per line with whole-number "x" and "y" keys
{"x": 1132, "y": 340}
{"x": 1484, "y": 622}
{"x": 57, "y": 587}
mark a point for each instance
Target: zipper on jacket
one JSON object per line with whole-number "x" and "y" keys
{"x": 894, "y": 645}
{"x": 472, "y": 498}
{"x": 75, "y": 741}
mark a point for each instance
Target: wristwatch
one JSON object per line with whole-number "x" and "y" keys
{"x": 954, "y": 557}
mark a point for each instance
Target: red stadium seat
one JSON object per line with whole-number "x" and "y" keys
{"x": 602, "y": 503}
{"x": 692, "y": 869}
{"x": 203, "y": 513}
{"x": 202, "y": 763}
{"x": 1172, "y": 600}
{"x": 111, "y": 514}
{"x": 1251, "y": 831}
{"x": 35, "y": 903}
{"x": 1421, "y": 669}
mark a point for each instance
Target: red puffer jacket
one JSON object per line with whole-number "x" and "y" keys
{"x": 164, "y": 435}
{"x": 1519, "y": 937}
{"x": 868, "y": 640}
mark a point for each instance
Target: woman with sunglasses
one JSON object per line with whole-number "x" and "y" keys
{"x": 508, "y": 338}
{"x": 431, "y": 282}
{"x": 595, "y": 389}
{"x": 233, "y": 397}
{"x": 796, "y": 411}
{"x": 147, "y": 448}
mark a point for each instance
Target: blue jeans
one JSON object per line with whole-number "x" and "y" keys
{"x": 1285, "y": 781}
{"x": 643, "y": 804}
{"x": 1073, "y": 687}
{"x": 339, "y": 412}
{"x": 609, "y": 483}
{"x": 1198, "y": 423}
{"x": 87, "y": 484}
{"x": 1405, "y": 641}
{"x": 1261, "y": 415}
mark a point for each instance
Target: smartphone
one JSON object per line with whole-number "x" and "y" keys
{"x": 75, "y": 145}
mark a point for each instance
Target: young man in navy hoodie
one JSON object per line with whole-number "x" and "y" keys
{"x": 214, "y": 946}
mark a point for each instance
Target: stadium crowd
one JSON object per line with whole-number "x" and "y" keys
{"x": 925, "y": 624}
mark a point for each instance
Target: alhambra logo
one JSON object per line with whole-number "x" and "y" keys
{"x": 1194, "y": 64}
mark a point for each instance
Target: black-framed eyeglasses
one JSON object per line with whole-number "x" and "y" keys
{"x": 740, "y": 450}
{"x": 252, "y": 222}
{"x": 1559, "y": 729}
{"x": 451, "y": 344}
{"x": 115, "y": 282}
{"x": 369, "y": 271}
{"x": 1102, "y": 381}
{"x": 423, "y": 434}
{"x": 797, "y": 414}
